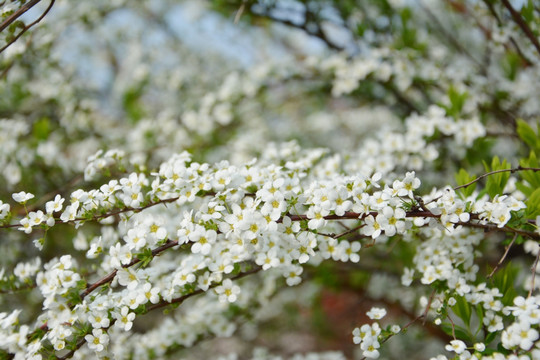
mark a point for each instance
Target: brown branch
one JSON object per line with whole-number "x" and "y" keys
{"x": 489, "y": 227}
{"x": 106, "y": 215}
{"x": 161, "y": 304}
{"x": 453, "y": 326}
{"x": 522, "y": 24}
{"x": 239, "y": 12}
{"x": 18, "y": 14}
{"x": 318, "y": 33}
{"x": 108, "y": 278}
{"x": 502, "y": 258}
{"x": 533, "y": 269}
{"x": 447, "y": 34}
{"x": 27, "y": 27}
{"x": 487, "y": 33}
{"x": 428, "y": 306}
{"x": 70, "y": 354}
{"x": 519, "y": 168}
{"x": 181, "y": 299}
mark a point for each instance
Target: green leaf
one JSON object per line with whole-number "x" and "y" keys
{"x": 42, "y": 128}
{"x": 145, "y": 257}
{"x": 496, "y": 182}
{"x": 457, "y": 101}
{"x": 480, "y": 314}
{"x": 511, "y": 63}
{"x": 505, "y": 281}
{"x": 131, "y": 101}
{"x": 462, "y": 178}
{"x": 490, "y": 337}
{"x": 462, "y": 309}
{"x": 459, "y": 331}
{"x": 528, "y": 135}
{"x": 73, "y": 296}
{"x": 252, "y": 189}
{"x": 237, "y": 269}
{"x": 527, "y": 11}
{"x": 533, "y": 204}
{"x": 531, "y": 177}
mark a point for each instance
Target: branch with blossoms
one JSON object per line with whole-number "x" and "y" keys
{"x": 180, "y": 237}
{"x": 126, "y": 319}
{"x": 270, "y": 210}
{"x": 371, "y": 216}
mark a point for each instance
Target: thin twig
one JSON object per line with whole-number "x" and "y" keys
{"x": 447, "y": 34}
{"x": 27, "y": 27}
{"x": 18, "y": 14}
{"x": 519, "y": 168}
{"x": 424, "y": 315}
{"x": 181, "y": 299}
{"x": 109, "y": 277}
{"x": 500, "y": 23}
{"x": 453, "y": 326}
{"x": 319, "y": 33}
{"x": 503, "y": 257}
{"x": 533, "y": 269}
{"x": 239, "y": 12}
{"x": 522, "y": 24}
{"x": 337, "y": 236}
{"x": 164, "y": 303}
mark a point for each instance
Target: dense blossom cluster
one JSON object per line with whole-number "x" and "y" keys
{"x": 153, "y": 226}
{"x": 252, "y": 214}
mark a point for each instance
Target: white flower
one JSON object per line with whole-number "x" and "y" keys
{"x": 227, "y": 291}
{"x": 349, "y": 251}
{"x": 54, "y": 205}
{"x": 124, "y": 318}
{"x": 407, "y": 277}
{"x": 456, "y": 346}
{"x": 22, "y": 197}
{"x": 99, "y": 319}
{"x": 376, "y": 313}
{"x": 372, "y": 227}
{"x": 479, "y": 347}
{"x": 98, "y": 340}
{"x": 4, "y": 210}
{"x": 26, "y": 225}
{"x": 127, "y": 277}
{"x": 292, "y": 273}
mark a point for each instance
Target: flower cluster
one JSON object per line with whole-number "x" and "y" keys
{"x": 158, "y": 227}
{"x": 523, "y": 333}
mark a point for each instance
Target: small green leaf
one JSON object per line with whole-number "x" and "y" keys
{"x": 533, "y": 204}
{"x": 457, "y": 101}
{"x": 505, "y": 281}
{"x": 528, "y": 135}
{"x": 511, "y": 63}
{"x": 490, "y": 337}
{"x": 237, "y": 269}
{"x": 462, "y": 309}
{"x": 145, "y": 257}
{"x": 252, "y": 189}
{"x": 496, "y": 182}
{"x": 527, "y": 11}
{"x": 531, "y": 177}
{"x": 459, "y": 331}
{"x": 462, "y": 178}
{"x": 42, "y": 128}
